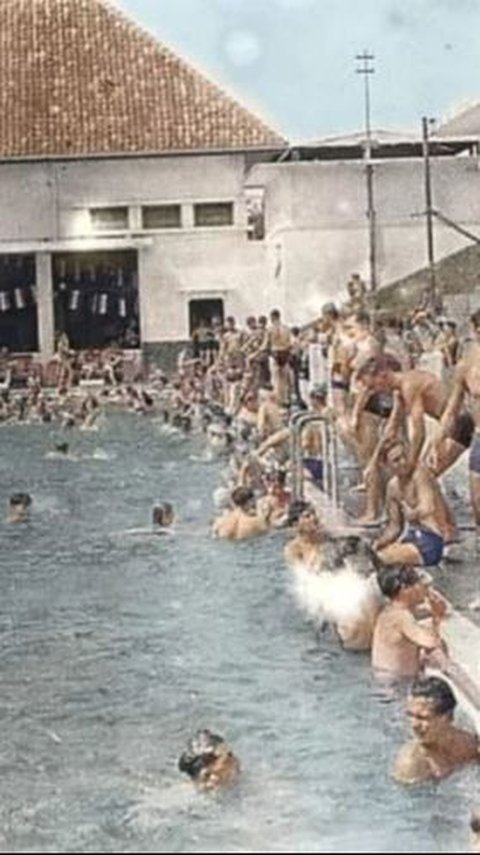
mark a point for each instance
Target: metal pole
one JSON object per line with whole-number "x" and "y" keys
{"x": 429, "y": 208}
{"x": 366, "y": 69}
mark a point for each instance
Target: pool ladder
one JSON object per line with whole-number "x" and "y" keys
{"x": 298, "y": 422}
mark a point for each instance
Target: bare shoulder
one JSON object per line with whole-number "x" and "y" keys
{"x": 411, "y": 765}
{"x": 392, "y": 488}
{"x": 468, "y": 745}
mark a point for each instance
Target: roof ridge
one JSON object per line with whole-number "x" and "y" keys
{"x": 207, "y": 76}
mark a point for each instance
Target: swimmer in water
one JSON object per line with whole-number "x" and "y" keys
{"x": 163, "y": 517}
{"x": 243, "y": 521}
{"x": 61, "y": 452}
{"x": 19, "y": 508}
{"x": 209, "y": 761}
{"x": 475, "y": 830}
{"x": 438, "y": 747}
{"x": 400, "y": 640}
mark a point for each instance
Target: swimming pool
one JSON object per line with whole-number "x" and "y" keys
{"x": 114, "y": 649}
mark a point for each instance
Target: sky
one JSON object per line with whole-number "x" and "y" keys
{"x": 293, "y": 61}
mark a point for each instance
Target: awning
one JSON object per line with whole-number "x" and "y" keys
{"x": 87, "y": 244}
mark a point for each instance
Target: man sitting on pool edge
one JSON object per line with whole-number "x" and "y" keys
{"x": 438, "y": 747}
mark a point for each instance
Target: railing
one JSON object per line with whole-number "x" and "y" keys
{"x": 298, "y": 423}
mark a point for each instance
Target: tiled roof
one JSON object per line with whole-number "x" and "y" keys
{"x": 77, "y": 77}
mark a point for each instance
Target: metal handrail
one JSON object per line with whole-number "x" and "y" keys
{"x": 330, "y": 455}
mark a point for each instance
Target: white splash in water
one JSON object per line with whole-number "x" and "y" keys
{"x": 340, "y": 596}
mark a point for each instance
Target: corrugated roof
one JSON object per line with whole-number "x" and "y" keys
{"x": 464, "y": 123}
{"x": 379, "y": 136}
{"x": 77, "y": 77}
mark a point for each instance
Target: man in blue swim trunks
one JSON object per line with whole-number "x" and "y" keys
{"x": 312, "y": 435}
{"x": 417, "y": 514}
{"x": 466, "y": 390}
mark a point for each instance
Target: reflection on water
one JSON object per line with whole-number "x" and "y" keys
{"x": 113, "y": 650}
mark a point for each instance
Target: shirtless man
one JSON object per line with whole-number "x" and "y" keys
{"x": 231, "y": 346}
{"x": 312, "y": 435}
{"x": 275, "y": 504}
{"x": 243, "y": 521}
{"x": 270, "y": 416}
{"x": 399, "y": 639}
{"x": 419, "y": 394}
{"x": 306, "y": 547}
{"x": 19, "y": 508}
{"x": 466, "y": 387}
{"x": 279, "y": 346}
{"x": 209, "y": 761}
{"x": 340, "y": 353}
{"x": 413, "y": 496}
{"x": 438, "y": 747}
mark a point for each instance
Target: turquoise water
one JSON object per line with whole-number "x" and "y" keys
{"x": 114, "y": 649}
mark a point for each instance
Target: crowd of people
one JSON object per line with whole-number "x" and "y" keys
{"x": 402, "y": 397}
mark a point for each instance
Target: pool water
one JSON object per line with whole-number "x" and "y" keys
{"x": 115, "y": 648}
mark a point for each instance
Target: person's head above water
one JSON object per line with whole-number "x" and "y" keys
{"x": 209, "y": 761}
{"x": 163, "y": 514}
{"x": 399, "y": 581}
{"x": 430, "y": 707}
{"x": 243, "y": 497}
{"x": 18, "y": 507}
{"x": 62, "y": 447}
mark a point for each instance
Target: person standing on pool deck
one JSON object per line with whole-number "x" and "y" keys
{"x": 466, "y": 386}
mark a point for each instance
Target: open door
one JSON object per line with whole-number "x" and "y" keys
{"x": 205, "y": 313}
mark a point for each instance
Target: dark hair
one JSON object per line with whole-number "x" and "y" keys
{"x": 296, "y": 510}
{"x": 475, "y": 821}
{"x": 475, "y": 319}
{"x": 331, "y": 310}
{"x": 21, "y": 500}
{"x": 161, "y": 512}
{"x": 275, "y": 315}
{"x": 62, "y": 447}
{"x": 377, "y": 365}
{"x": 392, "y": 579}
{"x": 241, "y": 496}
{"x": 438, "y": 692}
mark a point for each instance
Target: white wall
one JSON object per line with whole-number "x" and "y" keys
{"x": 315, "y": 216}
{"x": 318, "y": 228}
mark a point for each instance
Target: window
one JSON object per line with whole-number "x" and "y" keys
{"x": 209, "y": 214}
{"x": 109, "y": 219}
{"x": 162, "y": 217}
{"x": 255, "y": 202}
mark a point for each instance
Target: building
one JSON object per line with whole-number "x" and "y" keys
{"x": 123, "y": 213}
{"x": 138, "y": 197}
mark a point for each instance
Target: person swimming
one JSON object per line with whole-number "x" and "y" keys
{"x": 209, "y": 762}
{"x": 163, "y": 516}
{"x": 19, "y": 507}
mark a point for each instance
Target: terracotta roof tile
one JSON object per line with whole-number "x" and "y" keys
{"x": 77, "y": 77}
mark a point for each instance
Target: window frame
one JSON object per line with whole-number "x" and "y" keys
{"x": 99, "y": 229}
{"x": 219, "y": 203}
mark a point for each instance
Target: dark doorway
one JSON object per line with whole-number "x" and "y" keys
{"x": 96, "y": 299}
{"x": 205, "y": 312}
{"x": 18, "y": 305}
